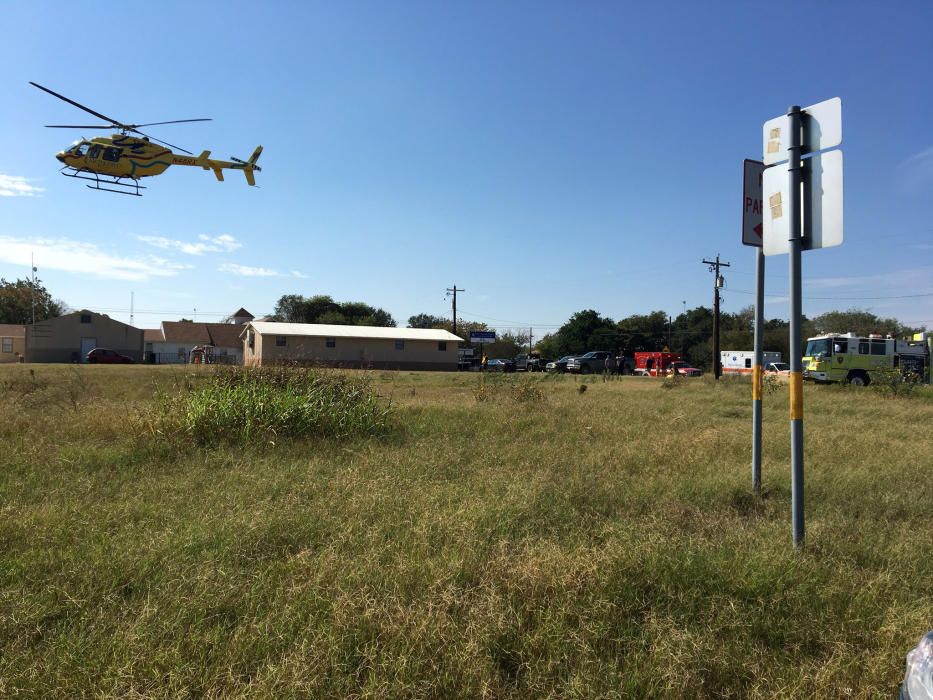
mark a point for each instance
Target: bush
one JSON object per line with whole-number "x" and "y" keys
{"x": 893, "y": 383}
{"x": 270, "y": 403}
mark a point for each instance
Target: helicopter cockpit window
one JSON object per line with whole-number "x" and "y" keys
{"x": 94, "y": 152}
{"x": 112, "y": 154}
{"x": 81, "y": 149}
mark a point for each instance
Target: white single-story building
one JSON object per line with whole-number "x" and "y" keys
{"x": 375, "y": 347}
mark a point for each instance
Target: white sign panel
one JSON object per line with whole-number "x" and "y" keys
{"x": 822, "y": 129}
{"x": 821, "y": 204}
{"x": 752, "y": 203}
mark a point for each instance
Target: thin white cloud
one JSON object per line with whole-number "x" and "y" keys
{"x": 247, "y": 271}
{"x": 83, "y": 258}
{"x": 223, "y": 243}
{"x": 879, "y": 284}
{"x": 299, "y": 275}
{"x": 16, "y": 186}
{"x": 916, "y": 171}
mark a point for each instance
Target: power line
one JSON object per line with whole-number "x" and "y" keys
{"x": 899, "y": 296}
{"x": 518, "y": 324}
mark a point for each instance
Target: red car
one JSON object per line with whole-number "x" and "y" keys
{"x": 108, "y": 357}
{"x": 684, "y": 369}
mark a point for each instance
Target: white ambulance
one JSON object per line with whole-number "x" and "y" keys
{"x": 741, "y": 361}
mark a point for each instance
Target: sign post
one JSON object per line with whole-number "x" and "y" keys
{"x": 752, "y": 221}
{"x": 803, "y": 212}
{"x": 796, "y": 370}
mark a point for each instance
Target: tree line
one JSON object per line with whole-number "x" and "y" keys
{"x": 690, "y": 332}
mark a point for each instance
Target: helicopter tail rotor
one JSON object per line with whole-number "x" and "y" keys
{"x": 249, "y": 166}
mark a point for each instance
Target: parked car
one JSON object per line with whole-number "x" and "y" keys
{"x": 684, "y": 369}
{"x": 104, "y": 356}
{"x": 592, "y": 362}
{"x": 559, "y": 366}
{"x": 777, "y": 368}
{"x": 500, "y": 365}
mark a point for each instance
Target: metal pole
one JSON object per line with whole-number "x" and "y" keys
{"x": 716, "y": 365}
{"x": 794, "y": 172}
{"x": 32, "y": 266}
{"x": 757, "y": 368}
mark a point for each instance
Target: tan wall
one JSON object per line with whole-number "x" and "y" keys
{"x": 59, "y": 339}
{"x": 19, "y": 350}
{"x": 354, "y": 352}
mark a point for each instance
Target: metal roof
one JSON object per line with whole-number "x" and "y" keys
{"x": 326, "y": 330}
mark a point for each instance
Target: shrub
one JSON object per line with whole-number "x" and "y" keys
{"x": 269, "y": 403}
{"x": 892, "y": 382}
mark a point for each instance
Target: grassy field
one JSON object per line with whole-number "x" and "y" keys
{"x": 512, "y": 542}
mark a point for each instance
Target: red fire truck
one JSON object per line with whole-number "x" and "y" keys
{"x": 647, "y": 364}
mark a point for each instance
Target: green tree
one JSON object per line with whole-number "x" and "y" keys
{"x": 16, "y": 302}
{"x": 859, "y": 322}
{"x": 645, "y": 333}
{"x": 584, "y": 331}
{"x": 321, "y": 308}
{"x": 507, "y": 345}
{"x": 428, "y": 321}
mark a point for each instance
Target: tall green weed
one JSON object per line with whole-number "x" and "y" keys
{"x": 272, "y": 403}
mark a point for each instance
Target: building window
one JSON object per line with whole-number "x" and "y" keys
{"x": 250, "y": 339}
{"x": 7, "y": 345}
{"x": 442, "y": 345}
{"x": 399, "y": 344}
{"x": 280, "y": 341}
{"x": 331, "y": 342}
{"x": 85, "y": 318}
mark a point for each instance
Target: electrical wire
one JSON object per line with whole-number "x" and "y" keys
{"x": 807, "y": 297}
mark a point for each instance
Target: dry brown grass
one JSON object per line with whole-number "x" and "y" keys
{"x": 602, "y": 544}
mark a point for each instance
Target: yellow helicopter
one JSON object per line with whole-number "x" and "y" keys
{"x": 121, "y": 160}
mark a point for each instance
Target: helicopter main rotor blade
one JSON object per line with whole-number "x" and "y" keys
{"x": 164, "y": 143}
{"x": 78, "y": 105}
{"x": 176, "y": 121}
{"x": 83, "y": 126}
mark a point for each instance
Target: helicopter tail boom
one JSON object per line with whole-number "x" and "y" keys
{"x": 218, "y": 166}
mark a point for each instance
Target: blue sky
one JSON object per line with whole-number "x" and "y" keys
{"x": 547, "y": 157}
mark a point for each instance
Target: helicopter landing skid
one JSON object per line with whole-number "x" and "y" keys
{"x": 131, "y": 188}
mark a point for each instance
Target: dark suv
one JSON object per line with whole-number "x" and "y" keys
{"x": 592, "y": 362}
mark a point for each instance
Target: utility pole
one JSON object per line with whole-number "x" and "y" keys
{"x": 131, "y": 308}
{"x": 683, "y": 337}
{"x": 531, "y": 338}
{"x": 32, "y": 266}
{"x": 718, "y": 282}
{"x": 452, "y": 291}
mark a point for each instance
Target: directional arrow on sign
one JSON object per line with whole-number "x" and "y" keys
{"x": 752, "y": 203}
